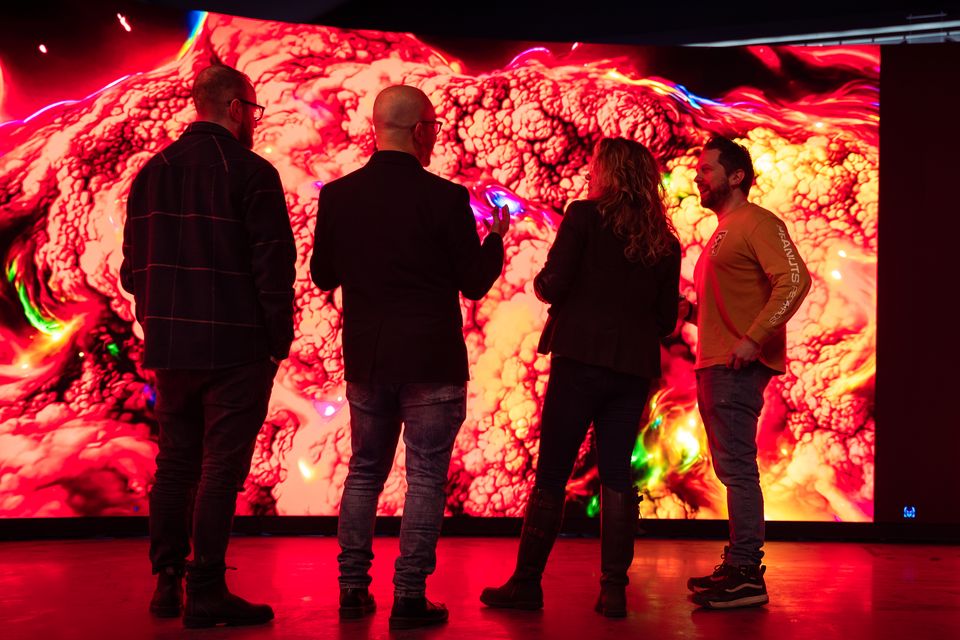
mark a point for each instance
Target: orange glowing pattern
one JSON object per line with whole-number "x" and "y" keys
{"x": 77, "y": 433}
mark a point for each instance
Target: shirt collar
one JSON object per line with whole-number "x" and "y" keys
{"x": 202, "y": 126}
{"x": 395, "y": 157}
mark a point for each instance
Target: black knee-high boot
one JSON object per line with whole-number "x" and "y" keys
{"x": 541, "y": 523}
{"x": 619, "y": 513}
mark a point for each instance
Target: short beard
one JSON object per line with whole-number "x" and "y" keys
{"x": 245, "y": 136}
{"x": 714, "y": 198}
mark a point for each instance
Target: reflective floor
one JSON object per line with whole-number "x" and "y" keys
{"x": 100, "y": 589}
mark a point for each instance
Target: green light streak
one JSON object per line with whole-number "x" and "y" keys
{"x": 593, "y": 507}
{"x": 49, "y": 326}
{"x": 639, "y": 456}
{"x": 656, "y": 475}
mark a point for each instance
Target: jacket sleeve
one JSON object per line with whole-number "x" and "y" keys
{"x": 555, "y": 280}
{"x": 323, "y": 271}
{"x": 126, "y": 267}
{"x": 668, "y": 290}
{"x": 273, "y": 254}
{"x": 476, "y": 265}
{"x": 788, "y": 275}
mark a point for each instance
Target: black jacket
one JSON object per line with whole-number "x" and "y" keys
{"x": 606, "y": 310}
{"x": 403, "y": 244}
{"x": 208, "y": 254}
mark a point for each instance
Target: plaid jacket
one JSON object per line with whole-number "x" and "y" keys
{"x": 208, "y": 254}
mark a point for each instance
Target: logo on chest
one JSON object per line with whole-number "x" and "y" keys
{"x": 717, "y": 240}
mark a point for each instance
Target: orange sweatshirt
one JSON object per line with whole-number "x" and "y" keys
{"x": 750, "y": 280}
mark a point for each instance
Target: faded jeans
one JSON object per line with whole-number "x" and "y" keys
{"x": 730, "y": 403}
{"x": 431, "y": 415}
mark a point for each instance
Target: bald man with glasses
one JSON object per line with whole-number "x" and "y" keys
{"x": 402, "y": 244}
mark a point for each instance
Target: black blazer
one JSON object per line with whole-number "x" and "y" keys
{"x": 403, "y": 244}
{"x": 606, "y": 310}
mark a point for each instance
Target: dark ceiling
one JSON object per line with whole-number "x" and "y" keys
{"x": 660, "y": 22}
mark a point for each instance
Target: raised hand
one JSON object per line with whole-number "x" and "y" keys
{"x": 500, "y": 222}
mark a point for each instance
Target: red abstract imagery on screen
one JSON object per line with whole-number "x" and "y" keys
{"x": 77, "y": 430}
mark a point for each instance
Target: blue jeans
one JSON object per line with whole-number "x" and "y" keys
{"x": 578, "y": 394}
{"x": 730, "y": 403}
{"x": 432, "y": 415}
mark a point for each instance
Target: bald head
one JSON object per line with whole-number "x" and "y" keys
{"x": 400, "y": 107}
{"x": 402, "y": 121}
{"x": 215, "y": 87}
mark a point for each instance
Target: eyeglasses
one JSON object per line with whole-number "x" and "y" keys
{"x": 437, "y": 124}
{"x": 259, "y": 108}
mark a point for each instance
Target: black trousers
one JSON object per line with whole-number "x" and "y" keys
{"x": 209, "y": 420}
{"x": 579, "y": 394}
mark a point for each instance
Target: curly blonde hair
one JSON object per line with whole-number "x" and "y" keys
{"x": 629, "y": 194}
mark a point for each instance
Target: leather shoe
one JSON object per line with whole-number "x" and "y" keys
{"x": 411, "y": 613}
{"x": 355, "y": 603}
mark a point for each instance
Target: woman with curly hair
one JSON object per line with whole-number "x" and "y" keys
{"x": 612, "y": 280}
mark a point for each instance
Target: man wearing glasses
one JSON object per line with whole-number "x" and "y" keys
{"x": 208, "y": 255}
{"x": 403, "y": 245}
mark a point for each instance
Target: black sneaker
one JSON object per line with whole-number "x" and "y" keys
{"x": 741, "y": 587}
{"x": 355, "y": 603}
{"x": 719, "y": 575}
{"x": 410, "y": 613}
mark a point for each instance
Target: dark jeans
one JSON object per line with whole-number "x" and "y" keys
{"x": 578, "y": 394}
{"x": 431, "y": 415}
{"x": 209, "y": 420}
{"x": 730, "y": 403}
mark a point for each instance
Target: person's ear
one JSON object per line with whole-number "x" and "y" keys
{"x": 737, "y": 177}
{"x": 235, "y": 110}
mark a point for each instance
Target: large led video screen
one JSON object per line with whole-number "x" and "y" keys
{"x": 77, "y": 429}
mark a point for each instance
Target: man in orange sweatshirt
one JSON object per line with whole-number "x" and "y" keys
{"x": 749, "y": 281}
